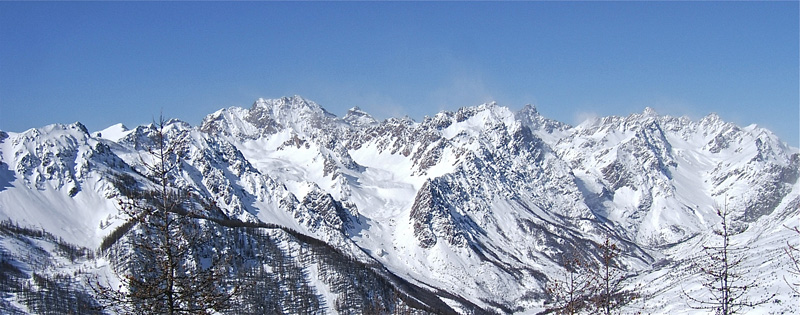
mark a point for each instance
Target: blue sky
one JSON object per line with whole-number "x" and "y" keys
{"x": 106, "y": 62}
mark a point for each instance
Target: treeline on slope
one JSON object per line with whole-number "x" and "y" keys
{"x": 174, "y": 241}
{"x": 281, "y": 285}
{"x": 727, "y": 285}
{"x": 277, "y": 280}
{"x": 71, "y": 251}
{"x": 163, "y": 250}
{"x": 44, "y": 290}
{"x": 272, "y": 267}
{"x": 271, "y": 263}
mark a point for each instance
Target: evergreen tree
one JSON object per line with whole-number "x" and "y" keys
{"x": 166, "y": 273}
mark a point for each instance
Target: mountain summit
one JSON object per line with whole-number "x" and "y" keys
{"x": 471, "y": 211}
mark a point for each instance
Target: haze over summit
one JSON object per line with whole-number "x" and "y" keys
{"x": 107, "y": 63}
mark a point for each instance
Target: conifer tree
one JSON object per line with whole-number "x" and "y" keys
{"x": 592, "y": 287}
{"x": 725, "y": 277}
{"x": 572, "y": 290}
{"x": 610, "y": 292}
{"x": 793, "y": 251}
{"x": 165, "y": 273}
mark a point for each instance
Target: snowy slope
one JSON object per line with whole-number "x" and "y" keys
{"x": 477, "y": 204}
{"x": 55, "y": 179}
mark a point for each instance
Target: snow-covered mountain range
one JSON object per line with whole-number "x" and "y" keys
{"x": 464, "y": 212}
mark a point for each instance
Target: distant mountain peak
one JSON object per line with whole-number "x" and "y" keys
{"x": 295, "y": 103}
{"x": 530, "y": 108}
{"x": 269, "y": 116}
{"x": 649, "y": 112}
{"x": 65, "y": 127}
{"x": 530, "y": 117}
{"x": 359, "y": 118}
{"x": 480, "y": 205}
{"x": 114, "y": 132}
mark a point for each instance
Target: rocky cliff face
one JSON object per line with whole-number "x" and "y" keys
{"x": 465, "y": 211}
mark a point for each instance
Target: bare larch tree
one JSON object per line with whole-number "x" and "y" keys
{"x": 793, "y": 251}
{"x": 609, "y": 277}
{"x": 173, "y": 267}
{"x": 724, "y": 274}
{"x": 572, "y": 290}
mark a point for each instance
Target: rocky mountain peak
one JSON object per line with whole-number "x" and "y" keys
{"x": 291, "y": 108}
{"x": 289, "y": 112}
{"x": 269, "y": 116}
{"x": 359, "y": 118}
{"x": 711, "y": 119}
{"x": 477, "y": 203}
{"x": 52, "y": 156}
{"x": 490, "y": 109}
{"x": 529, "y": 116}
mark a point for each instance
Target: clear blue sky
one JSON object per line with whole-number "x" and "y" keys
{"x": 106, "y": 62}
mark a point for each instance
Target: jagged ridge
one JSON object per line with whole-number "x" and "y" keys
{"x": 476, "y": 205}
